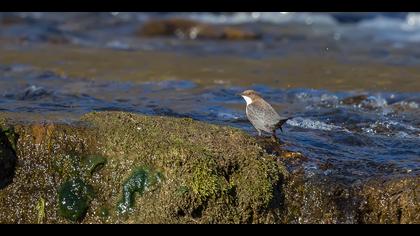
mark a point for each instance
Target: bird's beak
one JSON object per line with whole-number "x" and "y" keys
{"x": 239, "y": 94}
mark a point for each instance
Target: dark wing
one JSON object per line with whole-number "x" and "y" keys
{"x": 281, "y": 122}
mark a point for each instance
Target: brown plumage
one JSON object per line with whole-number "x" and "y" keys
{"x": 261, "y": 114}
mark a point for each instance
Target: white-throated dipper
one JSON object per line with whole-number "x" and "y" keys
{"x": 261, "y": 114}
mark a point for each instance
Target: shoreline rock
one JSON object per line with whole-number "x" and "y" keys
{"x": 177, "y": 170}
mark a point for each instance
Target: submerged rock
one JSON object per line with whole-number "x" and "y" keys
{"x": 184, "y": 28}
{"x": 354, "y": 100}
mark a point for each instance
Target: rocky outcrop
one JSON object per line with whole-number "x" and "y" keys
{"x": 157, "y": 170}
{"x": 116, "y": 167}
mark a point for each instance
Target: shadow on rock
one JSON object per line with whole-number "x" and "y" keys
{"x": 7, "y": 158}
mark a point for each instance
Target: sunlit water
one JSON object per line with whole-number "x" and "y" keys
{"x": 308, "y": 66}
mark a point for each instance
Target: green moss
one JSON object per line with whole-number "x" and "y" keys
{"x": 205, "y": 181}
{"x": 74, "y": 197}
{"x": 141, "y": 179}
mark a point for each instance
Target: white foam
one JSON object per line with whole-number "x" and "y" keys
{"x": 376, "y": 102}
{"x": 392, "y": 125}
{"x": 312, "y": 124}
{"x": 265, "y": 17}
{"x": 116, "y": 44}
{"x": 227, "y": 116}
{"x": 409, "y": 105}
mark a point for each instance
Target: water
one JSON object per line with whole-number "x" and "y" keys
{"x": 351, "y": 82}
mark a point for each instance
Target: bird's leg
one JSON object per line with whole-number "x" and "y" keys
{"x": 274, "y": 137}
{"x": 259, "y": 132}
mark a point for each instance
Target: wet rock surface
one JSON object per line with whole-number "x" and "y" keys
{"x": 176, "y": 170}
{"x": 190, "y": 29}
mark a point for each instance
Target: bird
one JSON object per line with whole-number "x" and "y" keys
{"x": 262, "y": 115}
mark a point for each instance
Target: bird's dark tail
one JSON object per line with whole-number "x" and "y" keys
{"x": 281, "y": 123}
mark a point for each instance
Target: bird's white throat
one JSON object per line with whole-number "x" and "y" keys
{"x": 247, "y": 99}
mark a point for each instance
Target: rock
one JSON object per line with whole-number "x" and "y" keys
{"x": 232, "y": 33}
{"x": 365, "y": 102}
{"x": 163, "y": 169}
{"x": 93, "y": 163}
{"x": 176, "y": 170}
{"x": 328, "y": 200}
{"x": 395, "y": 201}
{"x": 48, "y": 156}
{"x": 354, "y": 100}
{"x": 277, "y": 148}
{"x": 190, "y": 29}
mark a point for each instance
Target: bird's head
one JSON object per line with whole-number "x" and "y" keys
{"x": 250, "y": 96}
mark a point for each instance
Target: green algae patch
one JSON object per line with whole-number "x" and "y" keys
{"x": 74, "y": 197}
{"x": 141, "y": 180}
{"x": 76, "y": 194}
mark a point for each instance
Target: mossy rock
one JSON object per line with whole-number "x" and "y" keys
{"x": 211, "y": 173}
{"x": 196, "y": 172}
{"x": 171, "y": 170}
